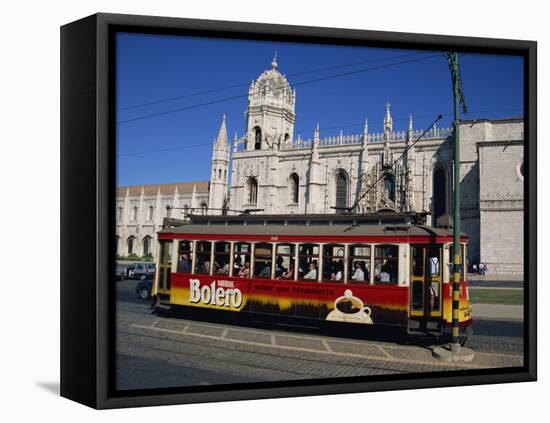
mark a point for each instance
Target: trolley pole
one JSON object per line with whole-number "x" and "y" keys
{"x": 453, "y": 64}
{"x": 454, "y": 352}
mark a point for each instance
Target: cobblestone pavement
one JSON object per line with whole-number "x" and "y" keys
{"x": 155, "y": 351}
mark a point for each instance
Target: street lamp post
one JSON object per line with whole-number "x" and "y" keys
{"x": 454, "y": 352}
{"x": 453, "y": 64}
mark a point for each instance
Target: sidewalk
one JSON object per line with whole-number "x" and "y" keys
{"x": 495, "y": 277}
{"x": 497, "y": 312}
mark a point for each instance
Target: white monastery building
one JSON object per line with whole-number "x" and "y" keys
{"x": 269, "y": 169}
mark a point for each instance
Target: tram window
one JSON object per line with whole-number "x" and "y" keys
{"x": 284, "y": 263}
{"x": 417, "y": 260}
{"x": 263, "y": 260}
{"x": 222, "y": 254}
{"x": 202, "y": 260}
{"x": 451, "y": 260}
{"x": 333, "y": 262}
{"x": 417, "y": 295}
{"x": 359, "y": 263}
{"x": 308, "y": 261}
{"x": 433, "y": 266}
{"x": 185, "y": 253}
{"x": 241, "y": 261}
{"x": 165, "y": 264}
{"x": 434, "y": 296}
{"x": 386, "y": 264}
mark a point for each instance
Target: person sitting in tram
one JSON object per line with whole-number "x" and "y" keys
{"x": 289, "y": 274}
{"x": 223, "y": 270}
{"x": 237, "y": 264}
{"x": 385, "y": 274}
{"x": 365, "y": 270}
{"x": 244, "y": 271}
{"x": 358, "y": 274}
{"x": 337, "y": 273}
{"x": 312, "y": 274}
{"x": 279, "y": 268}
{"x": 266, "y": 271}
{"x": 184, "y": 264}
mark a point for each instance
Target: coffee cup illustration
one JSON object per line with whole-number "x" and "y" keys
{"x": 348, "y": 308}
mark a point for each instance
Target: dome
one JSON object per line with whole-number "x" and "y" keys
{"x": 271, "y": 84}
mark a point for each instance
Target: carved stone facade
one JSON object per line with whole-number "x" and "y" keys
{"x": 141, "y": 209}
{"x": 367, "y": 172}
{"x": 271, "y": 171}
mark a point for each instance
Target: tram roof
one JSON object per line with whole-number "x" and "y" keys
{"x": 376, "y": 224}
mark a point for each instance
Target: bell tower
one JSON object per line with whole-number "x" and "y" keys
{"x": 270, "y": 112}
{"x": 219, "y": 178}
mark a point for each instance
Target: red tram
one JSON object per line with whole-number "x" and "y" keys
{"x": 383, "y": 269}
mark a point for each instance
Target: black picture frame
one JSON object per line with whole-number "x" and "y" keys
{"x": 88, "y": 192}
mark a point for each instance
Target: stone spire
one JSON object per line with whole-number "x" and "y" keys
{"x": 410, "y": 131}
{"x": 366, "y": 132}
{"x": 221, "y": 140}
{"x": 314, "y": 177}
{"x": 315, "y": 152}
{"x": 274, "y": 63}
{"x": 217, "y": 192}
{"x": 388, "y": 121}
{"x": 316, "y": 136}
{"x": 235, "y": 143}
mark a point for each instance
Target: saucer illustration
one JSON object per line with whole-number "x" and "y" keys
{"x": 350, "y": 309}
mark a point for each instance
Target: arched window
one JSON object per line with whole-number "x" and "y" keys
{"x": 120, "y": 213}
{"x": 294, "y": 188}
{"x": 439, "y": 196}
{"x": 252, "y": 190}
{"x": 135, "y": 215}
{"x": 168, "y": 211}
{"x": 341, "y": 191}
{"x": 130, "y": 245}
{"x": 389, "y": 186}
{"x": 204, "y": 208}
{"x": 257, "y": 138}
{"x": 151, "y": 213}
{"x": 146, "y": 245}
{"x": 219, "y": 174}
{"x": 287, "y": 136}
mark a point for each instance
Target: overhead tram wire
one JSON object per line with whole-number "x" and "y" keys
{"x": 184, "y": 147}
{"x": 358, "y": 200}
{"x": 403, "y": 119}
{"x": 324, "y": 78}
{"x": 246, "y": 84}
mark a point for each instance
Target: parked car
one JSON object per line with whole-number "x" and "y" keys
{"x": 141, "y": 271}
{"x": 143, "y": 289}
{"x": 120, "y": 272}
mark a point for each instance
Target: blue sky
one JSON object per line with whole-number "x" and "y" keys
{"x": 177, "y": 146}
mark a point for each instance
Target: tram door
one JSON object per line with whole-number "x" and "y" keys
{"x": 164, "y": 268}
{"x": 426, "y": 300}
